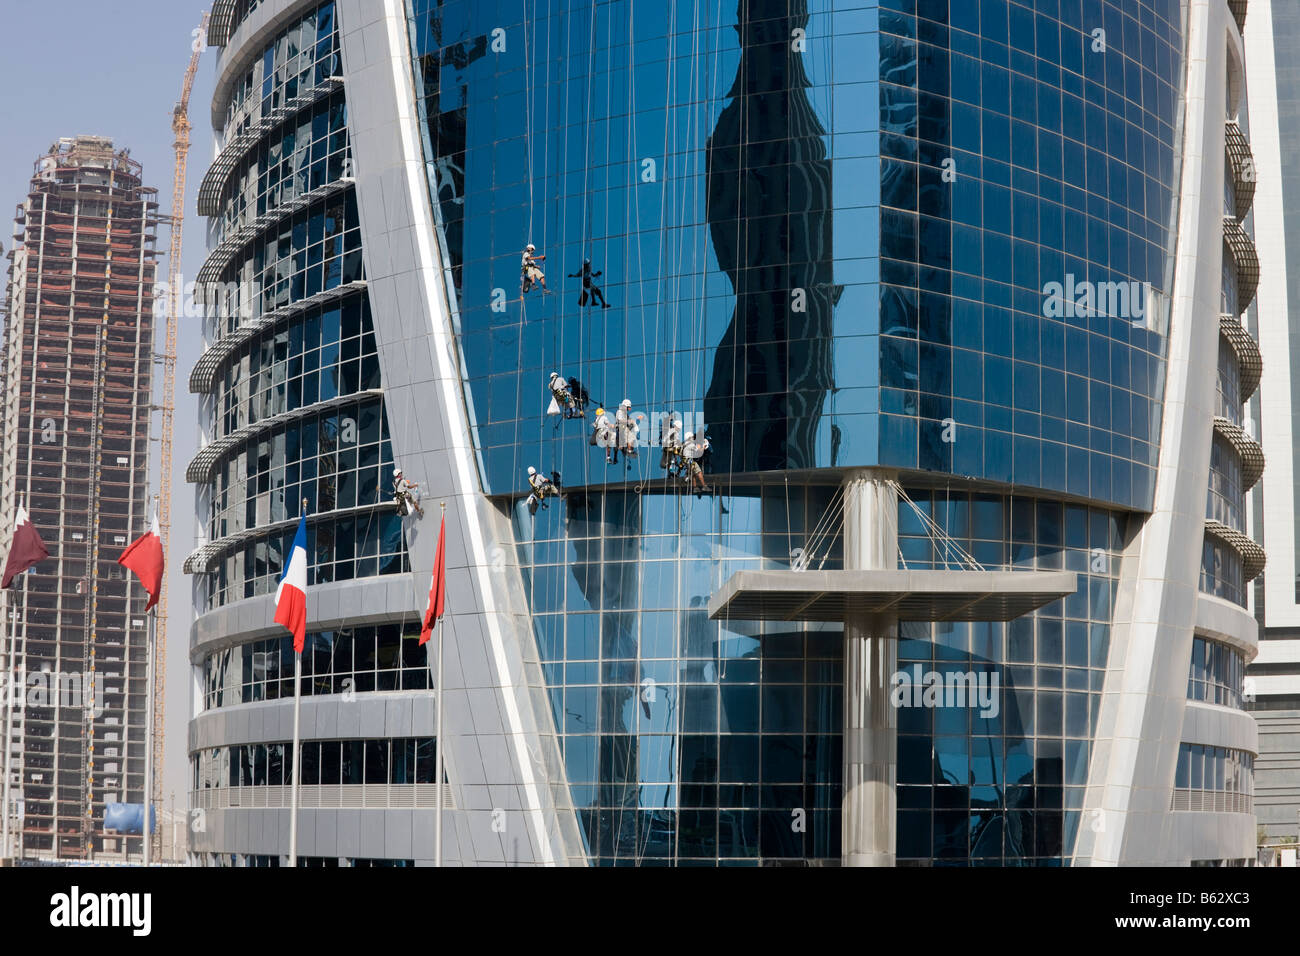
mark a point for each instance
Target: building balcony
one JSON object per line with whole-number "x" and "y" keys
{"x": 214, "y": 181}
{"x": 212, "y": 361}
{"x": 1249, "y": 450}
{"x": 1252, "y": 555}
{"x": 1250, "y": 361}
{"x": 1246, "y": 259}
{"x": 227, "y": 251}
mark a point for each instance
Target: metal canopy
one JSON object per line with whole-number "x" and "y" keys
{"x": 911, "y": 595}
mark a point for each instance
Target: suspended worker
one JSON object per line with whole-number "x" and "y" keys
{"x": 563, "y": 398}
{"x": 627, "y": 428}
{"x": 531, "y": 272}
{"x": 693, "y": 450}
{"x": 670, "y": 443}
{"x": 603, "y": 435}
{"x": 404, "y": 495}
{"x": 589, "y": 289}
{"x": 543, "y": 488}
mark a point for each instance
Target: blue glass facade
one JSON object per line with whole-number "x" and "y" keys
{"x": 826, "y": 231}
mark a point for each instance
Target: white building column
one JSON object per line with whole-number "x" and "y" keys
{"x": 870, "y": 660}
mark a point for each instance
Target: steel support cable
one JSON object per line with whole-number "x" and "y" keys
{"x": 937, "y": 533}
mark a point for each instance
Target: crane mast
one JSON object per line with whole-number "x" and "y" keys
{"x": 181, "y": 144}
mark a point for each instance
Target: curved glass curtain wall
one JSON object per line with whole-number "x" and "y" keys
{"x": 311, "y": 251}
{"x": 303, "y": 153}
{"x": 321, "y": 354}
{"x": 1217, "y": 674}
{"x": 686, "y": 740}
{"x": 1215, "y": 770}
{"x": 336, "y": 458}
{"x": 788, "y": 265}
{"x": 1062, "y": 155}
{"x": 339, "y": 459}
{"x": 1225, "y": 500}
{"x": 388, "y": 760}
{"x": 1006, "y": 788}
{"x": 1222, "y": 573}
{"x": 301, "y": 56}
{"x": 866, "y": 299}
{"x": 1228, "y": 391}
{"x": 357, "y": 659}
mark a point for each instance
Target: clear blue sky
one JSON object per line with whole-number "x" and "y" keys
{"x": 115, "y": 69}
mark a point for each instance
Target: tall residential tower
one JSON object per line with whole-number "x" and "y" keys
{"x": 78, "y": 366}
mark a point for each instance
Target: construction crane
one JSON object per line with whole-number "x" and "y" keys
{"x": 181, "y": 130}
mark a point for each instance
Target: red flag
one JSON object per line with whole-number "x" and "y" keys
{"x": 26, "y": 550}
{"x": 438, "y": 589}
{"x": 144, "y": 556}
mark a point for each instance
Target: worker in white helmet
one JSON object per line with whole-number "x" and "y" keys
{"x": 404, "y": 493}
{"x": 542, "y": 488}
{"x": 627, "y": 428}
{"x": 693, "y": 449}
{"x": 670, "y": 443}
{"x": 565, "y": 400}
{"x": 532, "y": 273}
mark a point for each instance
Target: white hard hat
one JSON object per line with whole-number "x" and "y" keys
{"x": 396, "y": 472}
{"x": 532, "y": 470}
{"x": 530, "y": 247}
{"x": 626, "y": 403}
{"x": 555, "y": 375}
{"x": 690, "y": 435}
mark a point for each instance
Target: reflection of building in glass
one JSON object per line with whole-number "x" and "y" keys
{"x": 769, "y": 211}
{"x": 78, "y": 372}
{"x": 828, "y": 236}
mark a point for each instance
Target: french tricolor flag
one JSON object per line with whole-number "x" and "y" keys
{"x": 291, "y": 595}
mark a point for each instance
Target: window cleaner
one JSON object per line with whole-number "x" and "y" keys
{"x": 627, "y": 428}
{"x": 542, "y": 488}
{"x": 693, "y": 451}
{"x": 670, "y": 443}
{"x": 602, "y": 434}
{"x": 404, "y": 495}
{"x": 589, "y": 289}
{"x": 532, "y": 273}
{"x": 565, "y": 397}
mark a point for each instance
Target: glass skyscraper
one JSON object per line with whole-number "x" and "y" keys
{"x": 941, "y": 285}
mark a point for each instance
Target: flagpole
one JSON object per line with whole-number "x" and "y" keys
{"x": 295, "y": 776}
{"x": 438, "y": 742}
{"x": 150, "y": 632}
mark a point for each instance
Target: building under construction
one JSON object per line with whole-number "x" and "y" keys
{"x": 77, "y": 369}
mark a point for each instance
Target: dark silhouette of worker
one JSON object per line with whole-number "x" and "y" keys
{"x": 588, "y": 287}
